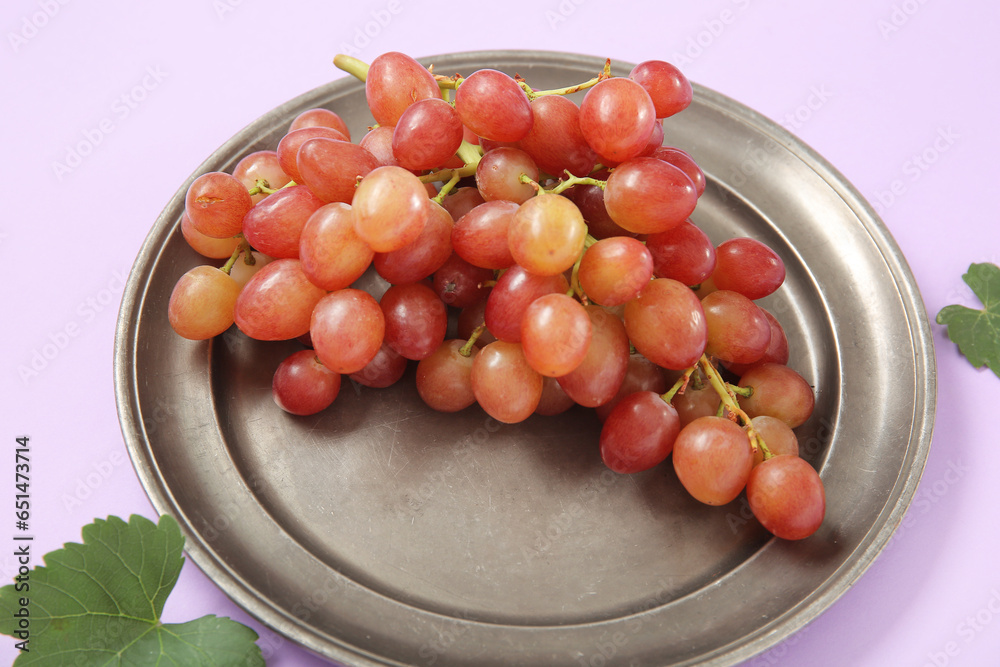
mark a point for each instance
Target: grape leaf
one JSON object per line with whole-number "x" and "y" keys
{"x": 977, "y": 332}
{"x": 99, "y": 603}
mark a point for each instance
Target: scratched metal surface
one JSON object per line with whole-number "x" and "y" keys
{"x": 379, "y": 532}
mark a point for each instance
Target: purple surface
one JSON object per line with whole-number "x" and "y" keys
{"x": 899, "y": 95}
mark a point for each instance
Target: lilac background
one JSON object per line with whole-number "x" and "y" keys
{"x": 154, "y": 88}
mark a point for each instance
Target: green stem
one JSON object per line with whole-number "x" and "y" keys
{"x": 568, "y": 90}
{"x": 356, "y": 68}
{"x": 679, "y": 386}
{"x": 562, "y": 186}
{"x": 729, "y": 400}
{"x": 243, "y": 247}
{"x": 447, "y": 187}
{"x": 466, "y": 350}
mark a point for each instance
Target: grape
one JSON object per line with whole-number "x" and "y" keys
{"x": 390, "y": 208}
{"x": 749, "y": 267}
{"x": 291, "y": 144}
{"x": 331, "y": 168}
{"x": 260, "y": 165}
{"x": 347, "y": 330}
{"x": 462, "y": 200}
{"x": 713, "y": 459}
{"x": 274, "y": 226}
{"x": 427, "y": 134}
{"x": 498, "y": 175}
{"x": 554, "y": 400}
{"x": 693, "y": 403}
{"x": 277, "y": 302}
{"x": 378, "y": 142}
{"x": 202, "y": 302}
{"x": 666, "y": 324}
{"x": 668, "y": 88}
{"x": 304, "y": 386}
{"x": 515, "y": 290}
{"x": 320, "y": 117}
{"x": 646, "y": 195}
{"x": 555, "y": 334}
{"x": 492, "y": 104}
{"x": 384, "y": 370}
{"x": 590, "y": 200}
{"x": 504, "y": 384}
{"x": 738, "y": 331}
{"x": 616, "y": 117}
{"x": 461, "y": 284}
{"x": 654, "y": 141}
{"x": 683, "y": 253}
{"x": 480, "y": 236}
{"x": 424, "y": 255}
{"x": 216, "y": 203}
{"x": 778, "y": 436}
{"x": 786, "y": 495}
{"x": 597, "y": 379}
{"x": 683, "y": 161}
{"x": 333, "y": 255}
{"x": 777, "y": 348}
{"x": 547, "y": 234}
{"x": 394, "y": 82}
{"x": 614, "y": 270}
{"x": 207, "y": 246}
{"x": 639, "y": 433}
{"x": 555, "y": 142}
{"x": 469, "y": 319}
{"x": 444, "y": 378}
{"x": 778, "y": 391}
{"x": 641, "y": 375}
{"x": 242, "y": 272}
{"x": 416, "y": 320}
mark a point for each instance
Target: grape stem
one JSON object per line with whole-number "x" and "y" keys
{"x": 568, "y": 90}
{"x": 356, "y": 68}
{"x": 729, "y": 400}
{"x": 564, "y": 185}
{"x": 466, "y": 350}
{"x": 243, "y": 247}
{"x": 680, "y": 385}
{"x": 447, "y": 187}
{"x": 470, "y": 154}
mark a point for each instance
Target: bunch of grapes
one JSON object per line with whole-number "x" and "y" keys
{"x": 533, "y": 253}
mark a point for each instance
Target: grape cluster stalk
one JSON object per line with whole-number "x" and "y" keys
{"x": 558, "y": 235}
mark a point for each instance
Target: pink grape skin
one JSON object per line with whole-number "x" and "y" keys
{"x": 347, "y": 330}
{"x": 554, "y": 400}
{"x": 331, "y": 168}
{"x": 498, "y": 175}
{"x": 749, "y": 267}
{"x": 786, "y": 495}
{"x": 647, "y": 196}
{"x": 777, "y": 349}
{"x": 202, "y": 302}
{"x": 668, "y": 88}
{"x": 616, "y": 118}
{"x": 598, "y": 377}
{"x": 303, "y": 386}
{"x": 547, "y": 235}
{"x": 590, "y": 200}
{"x": 778, "y": 391}
{"x": 384, "y": 370}
{"x": 738, "y": 331}
{"x": 654, "y": 141}
{"x": 390, "y": 208}
{"x": 333, "y": 255}
{"x": 713, "y": 459}
{"x": 683, "y": 161}
{"x": 684, "y": 253}
{"x": 444, "y": 378}
{"x": 277, "y": 302}
{"x": 394, "y": 82}
{"x": 504, "y": 384}
{"x": 693, "y": 403}
{"x": 639, "y": 433}
{"x": 291, "y": 144}
{"x": 480, "y": 236}
{"x": 422, "y": 257}
{"x": 778, "y": 436}
{"x": 320, "y": 117}
{"x": 207, "y": 246}
{"x": 462, "y": 200}
{"x": 416, "y": 320}
{"x": 261, "y": 165}
{"x": 515, "y": 290}
{"x": 614, "y": 270}
{"x": 555, "y": 141}
{"x": 460, "y": 284}
{"x": 216, "y": 203}
{"x": 640, "y": 375}
{"x": 274, "y": 226}
{"x": 491, "y": 104}
{"x": 555, "y": 334}
{"x": 666, "y": 324}
{"x": 427, "y": 134}
{"x": 378, "y": 142}
{"x": 469, "y": 319}
{"x": 242, "y": 272}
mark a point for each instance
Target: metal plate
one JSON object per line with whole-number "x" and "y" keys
{"x": 379, "y": 532}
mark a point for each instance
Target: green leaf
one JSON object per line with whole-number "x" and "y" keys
{"x": 99, "y": 603}
{"x": 977, "y": 332}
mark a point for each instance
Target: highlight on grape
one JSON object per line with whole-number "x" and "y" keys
{"x": 540, "y": 256}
